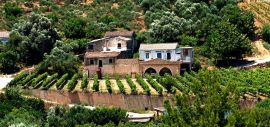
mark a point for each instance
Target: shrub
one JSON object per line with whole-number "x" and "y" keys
{"x": 120, "y": 84}
{"x": 131, "y": 84}
{"x": 174, "y": 82}
{"x": 47, "y": 83}
{"x": 79, "y": 115}
{"x": 17, "y": 79}
{"x": 37, "y": 80}
{"x": 266, "y": 33}
{"x": 12, "y": 10}
{"x": 28, "y": 79}
{"x": 84, "y": 81}
{"x": 61, "y": 81}
{"x": 145, "y": 87}
{"x": 96, "y": 83}
{"x": 154, "y": 84}
{"x": 72, "y": 82}
{"x": 108, "y": 83}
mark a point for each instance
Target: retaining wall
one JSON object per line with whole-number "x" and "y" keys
{"x": 130, "y": 102}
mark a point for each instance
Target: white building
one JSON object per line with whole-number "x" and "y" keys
{"x": 167, "y": 51}
{"x": 164, "y": 51}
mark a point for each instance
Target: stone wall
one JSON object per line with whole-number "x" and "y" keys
{"x": 129, "y": 102}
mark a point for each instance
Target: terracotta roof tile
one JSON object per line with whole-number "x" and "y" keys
{"x": 101, "y": 54}
{"x": 119, "y": 33}
{"x": 159, "y": 46}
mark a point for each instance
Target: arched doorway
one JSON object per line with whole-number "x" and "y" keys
{"x": 150, "y": 71}
{"x": 164, "y": 71}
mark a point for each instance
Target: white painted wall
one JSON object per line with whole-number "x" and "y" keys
{"x": 153, "y": 55}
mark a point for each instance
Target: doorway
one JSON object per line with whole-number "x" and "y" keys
{"x": 100, "y": 63}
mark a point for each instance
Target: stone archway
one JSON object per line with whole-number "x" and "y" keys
{"x": 150, "y": 71}
{"x": 164, "y": 71}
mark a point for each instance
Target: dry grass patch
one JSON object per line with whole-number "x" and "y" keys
{"x": 90, "y": 85}
{"x": 78, "y": 86}
{"x": 102, "y": 86}
{"x": 152, "y": 90}
{"x": 126, "y": 86}
{"x": 138, "y": 87}
{"x": 115, "y": 88}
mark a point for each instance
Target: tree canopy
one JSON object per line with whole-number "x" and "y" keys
{"x": 32, "y": 38}
{"x": 226, "y": 42}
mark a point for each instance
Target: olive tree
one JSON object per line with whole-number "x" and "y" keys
{"x": 33, "y": 37}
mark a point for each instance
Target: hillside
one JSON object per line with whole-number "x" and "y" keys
{"x": 260, "y": 10}
{"x": 124, "y": 13}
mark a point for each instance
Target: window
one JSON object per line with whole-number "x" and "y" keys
{"x": 91, "y": 47}
{"x": 119, "y": 45}
{"x": 91, "y": 62}
{"x": 185, "y": 52}
{"x": 159, "y": 55}
{"x": 168, "y": 56}
{"x": 110, "y": 61}
{"x": 147, "y": 55}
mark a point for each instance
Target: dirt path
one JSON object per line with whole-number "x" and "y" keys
{"x": 261, "y": 54}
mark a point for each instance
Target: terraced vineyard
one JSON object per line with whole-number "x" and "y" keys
{"x": 252, "y": 82}
{"x": 261, "y": 10}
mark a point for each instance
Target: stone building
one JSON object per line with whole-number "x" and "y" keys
{"x": 113, "y": 54}
{"x": 102, "y": 54}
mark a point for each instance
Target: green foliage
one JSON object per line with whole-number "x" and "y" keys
{"x": 59, "y": 84}
{"x": 74, "y": 27}
{"x": 226, "y": 42}
{"x": 35, "y": 83}
{"x": 32, "y": 38}
{"x": 209, "y": 99}
{"x": 49, "y": 81}
{"x": 264, "y": 104}
{"x": 265, "y": 32}
{"x": 171, "y": 19}
{"x": 17, "y": 79}
{"x": 170, "y": 81}
{"x": 108, "y": 83}
{"x": 197, "y": 65}
{"x": 154, "y": 84}
{"x": 12, "y": 10}
{"x": 27, "y": 80}
{"x": 61, "y": 61}
{"x": 72, "y": 82}
{"x": 16, "y": 110}
{"x": 79, "y": 115}
{"x": 145, "y": 87}
{"x": 243, "y": 20}
{"x": 131, "y": 84}
{"x": 96, "y": 83}
{"x": 84, "y": 82}
{"x": 120, "y": 84}
{"x": 188, "y": 40}
{"x": 8, "y": 62}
